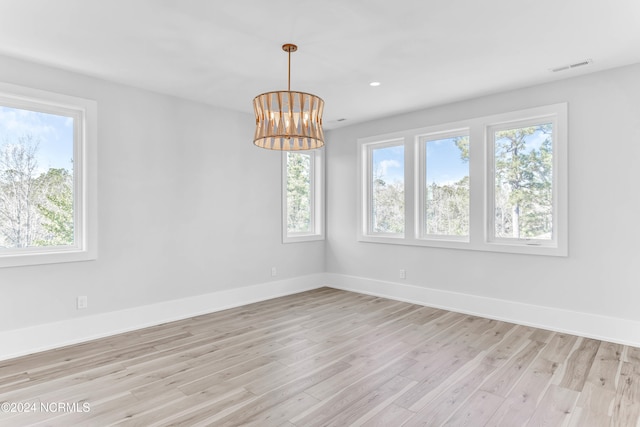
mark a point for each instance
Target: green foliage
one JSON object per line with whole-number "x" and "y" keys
{"x": 523, "y": 183}
{"x": 57, "y": 210}
{"x": 388, "y": 206}
{"x": 447, "y": 205}
{"x": 447, "y": 208}
{"x": 298, "y": 192}
{"x": 36, "y": 208}
{"x": 19, "y": 192}
{"x": 462, "y": 142}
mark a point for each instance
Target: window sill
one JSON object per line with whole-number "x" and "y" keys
{"x": 513, "y": 248}
{"x": 302, "y": 238}
{"x": 45, "y": 256}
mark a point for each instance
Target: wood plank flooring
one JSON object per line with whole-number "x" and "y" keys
{"x": 327, "y": 358}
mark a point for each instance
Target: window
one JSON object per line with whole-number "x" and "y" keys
{"x": 522, "y": 181}
{"x": 444, "y": 186}
{"x": 47, "y": 177}
{"x": 527, "y": 183}
{"x": 386, "y": 189}
{"x": 302, "y": 177}
{"x": 496, "y": 183}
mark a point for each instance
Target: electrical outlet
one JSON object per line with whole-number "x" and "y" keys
{"x": 403, "y": 274}
{"x": 274, "y": 272}
{"x": 82, "y": 302}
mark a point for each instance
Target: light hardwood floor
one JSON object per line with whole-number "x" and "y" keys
{"x": 329, "y": 358}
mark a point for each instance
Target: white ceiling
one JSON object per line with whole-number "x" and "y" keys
{"x": 424, "y": 53}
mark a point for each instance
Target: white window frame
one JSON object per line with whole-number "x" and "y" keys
{"x": 316, "y": 195}
{"x": 366, "y": 167}
{"x": 557, "y": 116}
{"x": 481, "y": 182}
{"x": 84, "y": 113}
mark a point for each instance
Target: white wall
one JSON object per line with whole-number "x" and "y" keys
{"x": 187, "y": 206}
{"x": 600, "y": 275}
{"x": 189, "y": 217}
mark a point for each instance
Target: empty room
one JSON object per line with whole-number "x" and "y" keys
{"x": 337, "y": 213}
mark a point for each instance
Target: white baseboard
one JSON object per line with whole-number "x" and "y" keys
{"x": 612, "y": 329}
{"x": 20, "y": 342}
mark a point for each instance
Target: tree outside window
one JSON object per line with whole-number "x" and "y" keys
{"x": 524, "y": 182}
{"x": 36, "y": 179}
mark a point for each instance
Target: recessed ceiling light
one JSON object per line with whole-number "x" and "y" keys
{"x": 374, "y": 84}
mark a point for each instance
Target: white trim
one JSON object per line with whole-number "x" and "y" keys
{"x": 365, "y": 186}
{"x": 20, "y": 342}
{"x": 606, "y": 328}
{"x": 84, "y": 112}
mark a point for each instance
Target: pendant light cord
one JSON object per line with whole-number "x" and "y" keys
{"x": 289, "y": 73}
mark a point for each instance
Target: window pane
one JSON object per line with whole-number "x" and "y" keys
{"x": 36, "y": 179}
{"x": 387, "y": 190}
{"x": 523, "y": 182}
{"x": 447, "y": 187}
{"x": 299, "y": 193}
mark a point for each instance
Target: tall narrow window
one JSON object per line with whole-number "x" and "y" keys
{"x": 47, "y": 212}
{"x": 302, "y": 196}
{"x": 299, "y": 191}
{"x": 386, "y": 187}
{"x": 523, "y": 185}
{"x": 445, "y": 186}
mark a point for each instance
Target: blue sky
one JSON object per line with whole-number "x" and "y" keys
{"x": 532, "y": 142}
{"x": 444, "y": 165}
{"x": 55, "y": 134}
{"x": 388, "y": 163}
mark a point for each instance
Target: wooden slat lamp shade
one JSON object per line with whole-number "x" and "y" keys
{"x": 288, "y": 120}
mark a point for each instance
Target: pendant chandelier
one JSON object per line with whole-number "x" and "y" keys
{"x": 286, "y": 120}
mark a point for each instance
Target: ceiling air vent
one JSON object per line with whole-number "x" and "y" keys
{"x": 574, "y": 65}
